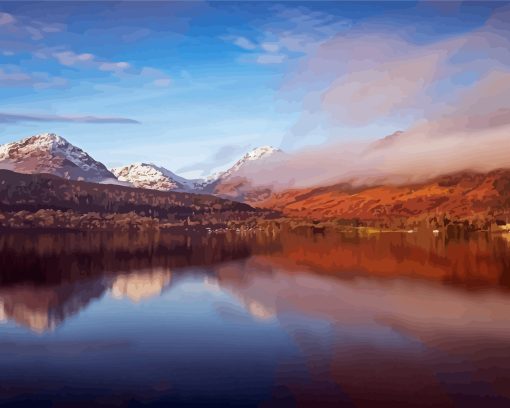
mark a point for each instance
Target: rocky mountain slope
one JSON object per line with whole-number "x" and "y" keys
{"x": 52, "y": 154}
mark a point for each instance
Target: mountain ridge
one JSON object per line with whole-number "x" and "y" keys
{"x": 151, "y": 176}
{"x": 49, "y": 153}
{"x": 52, "y": 154}
{"x": 462, "y": 195}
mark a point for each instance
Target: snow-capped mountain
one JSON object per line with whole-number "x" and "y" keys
{"x": 52, "y": 154}
{"x": 148, "y": 175}
{"x": 236, "y": 182}
{"x": 250, "y": 158}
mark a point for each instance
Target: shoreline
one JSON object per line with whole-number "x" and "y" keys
{"x": 45, "y": 220}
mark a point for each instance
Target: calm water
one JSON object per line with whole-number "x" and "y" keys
{"x": 269, "y": 320}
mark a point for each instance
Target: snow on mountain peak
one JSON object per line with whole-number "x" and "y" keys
{"x": 48, "y": 138}
{"x": 50, "y": 153}
{"x": 262, "y": 152}
{"x": 259, "y": 152}
{"x": 149, "y": 175}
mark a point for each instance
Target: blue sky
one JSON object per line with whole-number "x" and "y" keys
{"x": 193, "y": 85}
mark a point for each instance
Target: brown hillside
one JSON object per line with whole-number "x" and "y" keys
{"x": 458, "y": 196}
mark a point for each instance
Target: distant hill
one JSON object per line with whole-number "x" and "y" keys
{"x": 47, "y": 194}
{"x": 461, "y": 196}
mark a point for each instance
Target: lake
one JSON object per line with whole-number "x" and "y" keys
{"x": 258, "y": 319}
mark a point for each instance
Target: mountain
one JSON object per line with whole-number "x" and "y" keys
{"x": 235, "y": 182}
{"x": 52, "y": 154}
{"x": 232, "y": 183}
{"x": 48, "y": 153}
{"x": 480, "y": 198}
{"x": 251, "y": 159}
{"x": 148, "y": 175}
{"x": 387, "y": 141}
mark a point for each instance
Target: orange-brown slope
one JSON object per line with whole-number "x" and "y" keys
{"x": 460, "y": 196}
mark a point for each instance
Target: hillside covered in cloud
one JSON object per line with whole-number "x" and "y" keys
{"x": 449, "y": 95}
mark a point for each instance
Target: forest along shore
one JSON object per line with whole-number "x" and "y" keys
{"x": 43, "y": 201}
{"x": 49, "y": 202}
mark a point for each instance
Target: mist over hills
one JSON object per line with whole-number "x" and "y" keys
{"x": 311, "y": 184}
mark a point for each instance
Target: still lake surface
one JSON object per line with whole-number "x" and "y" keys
{"x": 258, "y": 320}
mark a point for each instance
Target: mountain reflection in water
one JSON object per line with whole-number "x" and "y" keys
{"x": 288, "y": 319}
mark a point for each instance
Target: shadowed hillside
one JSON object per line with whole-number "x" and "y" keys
{"x": 41, "y": 200}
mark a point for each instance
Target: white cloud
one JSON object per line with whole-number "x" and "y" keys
{"x": 114, "y": 66}
{"x": 374, "y": 79}
{"x": 69, "y": 58}
{"x": 23, "y": 29}
{"x": 270, "y": 59}
{"x": 451, "y": 95}
{"x": 21, "y": 34}
{"x": 244, "y": 43}
{"x": 6, "y": 18}
{"x": 158, "y": 77}
{"x": 293, "y": 32}
{"x": 270, "y": 46}
{"x": 13, "y": 76}
{"x": 162, "y": 82}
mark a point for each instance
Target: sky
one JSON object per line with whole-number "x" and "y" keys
{"x": 192, "y": 86}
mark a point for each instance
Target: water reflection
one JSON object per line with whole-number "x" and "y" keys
{"x": 255, "y": 320}
{"x": 141, "y": 285}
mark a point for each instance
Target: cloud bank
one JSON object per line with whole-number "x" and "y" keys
{"x": 454, "y": 93}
